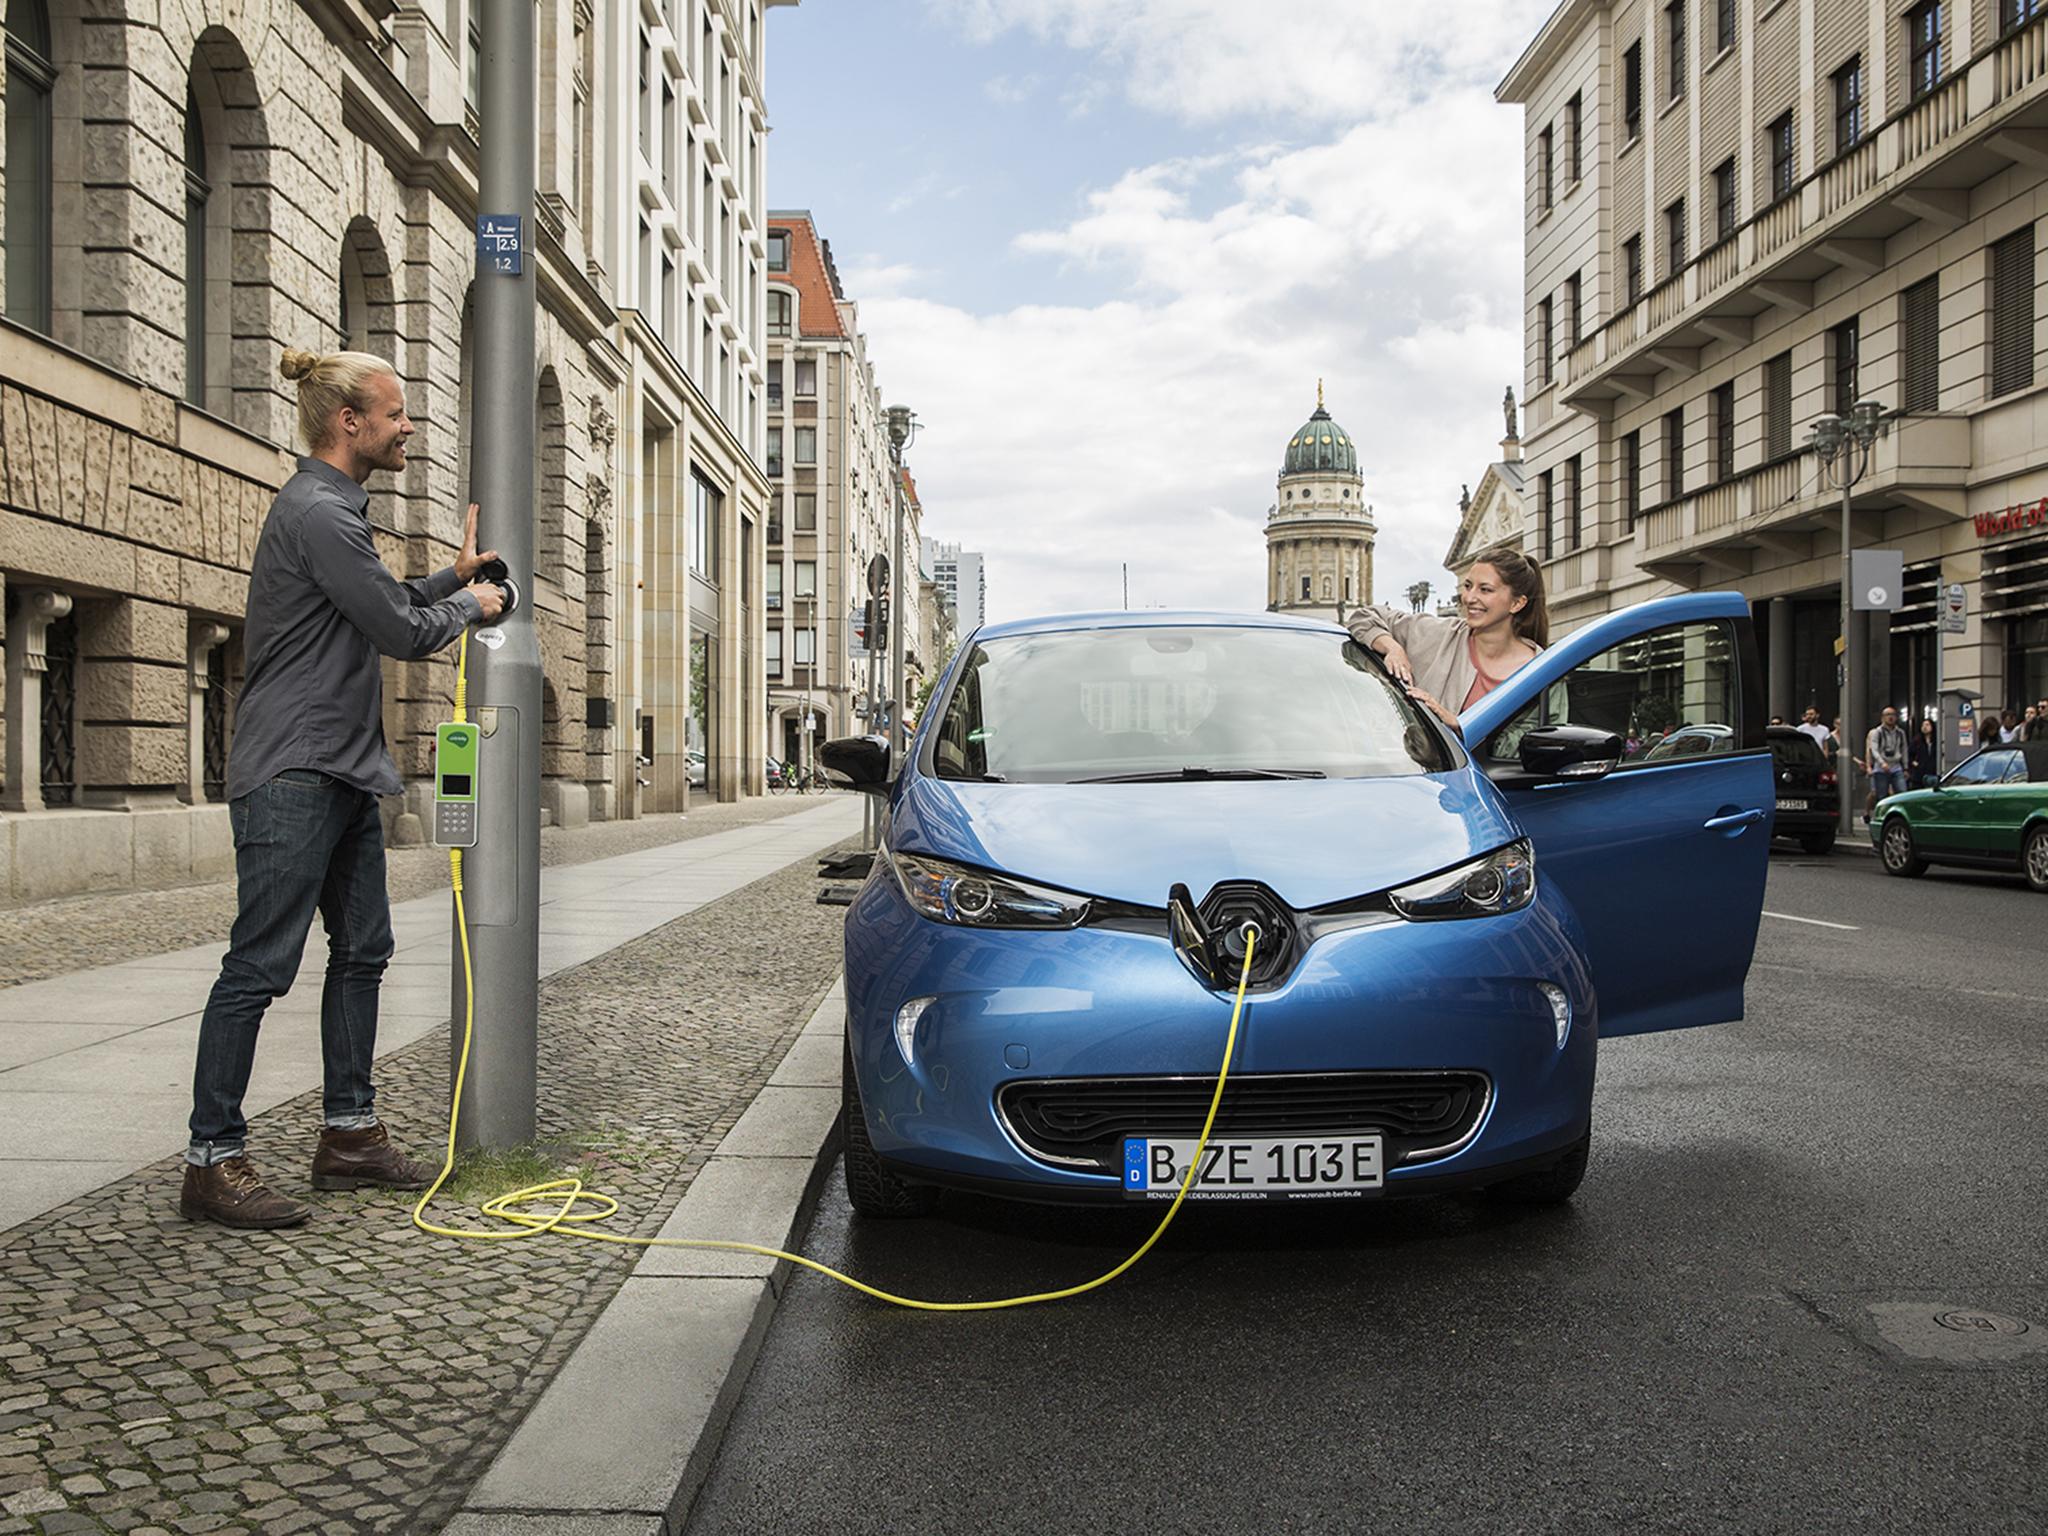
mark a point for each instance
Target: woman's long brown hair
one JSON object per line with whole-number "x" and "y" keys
{"x": 1524, "y": 578}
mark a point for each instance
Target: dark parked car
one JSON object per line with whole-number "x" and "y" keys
{"x": 1808, "y": 796}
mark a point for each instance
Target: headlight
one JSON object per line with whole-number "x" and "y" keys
{"x": 973, "y": 898}
{"x": 1503, "y": 881}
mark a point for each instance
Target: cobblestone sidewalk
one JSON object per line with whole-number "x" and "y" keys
{"x": 358, "y": 1375}
{"x": 55, "y": 938}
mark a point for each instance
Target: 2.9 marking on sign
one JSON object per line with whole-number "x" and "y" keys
{"x": 497, "y": 243}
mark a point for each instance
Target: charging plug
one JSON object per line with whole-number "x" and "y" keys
{"x": 500, "y": 576}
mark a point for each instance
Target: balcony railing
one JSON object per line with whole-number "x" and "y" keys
{"x": 1779, "y": 242}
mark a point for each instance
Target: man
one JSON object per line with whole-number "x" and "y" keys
{"x": 1885, "y": 751}
{"x": 1811, "y": 726}
{"x": 306, "y": 768}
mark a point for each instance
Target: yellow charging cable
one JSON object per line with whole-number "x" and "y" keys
{"x": 573, "y": 1209}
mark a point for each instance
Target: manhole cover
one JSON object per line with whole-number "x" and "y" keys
{"x": 1981, "y": 1322}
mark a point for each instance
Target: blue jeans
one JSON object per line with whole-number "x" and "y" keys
{"x": 1888, "y": 781}
{"x": 303, "y": 842}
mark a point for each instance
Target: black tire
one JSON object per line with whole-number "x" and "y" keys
{"x": 1818, "y": 843}
{"x": 1547, "y": 1186}
{"x": 872, "y": 1188}
{"x": 2034, "y": 858}
{"x": 1897, "y": 850}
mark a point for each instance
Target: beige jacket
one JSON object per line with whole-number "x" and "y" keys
{"x": 1439, "y": 649}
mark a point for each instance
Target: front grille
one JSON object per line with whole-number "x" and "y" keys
{"x": 1081, "y": 1122}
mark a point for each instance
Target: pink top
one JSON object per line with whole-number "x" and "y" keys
{"x": 1482, "y": 685}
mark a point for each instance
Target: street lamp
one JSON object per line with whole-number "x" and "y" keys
{"x": 1844, "y": 445}
{"x": 903, "y": 426}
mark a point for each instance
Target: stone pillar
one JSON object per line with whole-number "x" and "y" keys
{"x": 26, "y": 664}
{"x": 132, "y": 706}
{"x": 206, "y": 639}
{"x": 1778, "y": 675}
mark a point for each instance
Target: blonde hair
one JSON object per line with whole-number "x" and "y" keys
{"x": 328, "y": 381}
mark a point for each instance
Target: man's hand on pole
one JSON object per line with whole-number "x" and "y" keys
{"x": 469, "y": 561}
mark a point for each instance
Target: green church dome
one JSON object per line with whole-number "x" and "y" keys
{"x": 1321, "y": 447}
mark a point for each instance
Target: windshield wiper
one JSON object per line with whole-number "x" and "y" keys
{"x": 1175, "y": 775}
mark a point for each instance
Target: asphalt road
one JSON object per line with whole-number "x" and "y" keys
{"x": 1733, "y": 1327}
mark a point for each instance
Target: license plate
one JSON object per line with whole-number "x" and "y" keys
{"x": 1257, "y": 1168}
{"x": 1791, "y": 805}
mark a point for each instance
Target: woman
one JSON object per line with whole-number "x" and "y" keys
{"x": 1923, "y": 756}
{"x": 1449, "y": 665}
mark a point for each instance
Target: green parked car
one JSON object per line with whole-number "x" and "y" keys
{"x": 1989, "y": 813}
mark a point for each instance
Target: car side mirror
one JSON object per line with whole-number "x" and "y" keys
{"x": 1570, "y": 752}
{"x": 859, "y": 762}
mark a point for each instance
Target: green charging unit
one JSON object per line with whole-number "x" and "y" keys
{"x": 456, "y": 746}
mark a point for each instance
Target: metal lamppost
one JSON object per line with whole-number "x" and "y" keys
{"x": 903, "y": 426}
{"x": 1844, "y": 446}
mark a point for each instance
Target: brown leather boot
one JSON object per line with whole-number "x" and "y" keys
{"x": 355, "y": 1159}
{"x": 233, "y": 1193}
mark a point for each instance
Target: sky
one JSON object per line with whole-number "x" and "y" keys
{"x": 1105, "y": 249}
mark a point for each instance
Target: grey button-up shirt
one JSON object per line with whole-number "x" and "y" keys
{"x": 322, "y": 607}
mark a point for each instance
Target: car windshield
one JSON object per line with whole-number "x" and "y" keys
{"x": 1180, "y": 702}
{"x": 1986, "y": 768}
{"x": 1797, "y": 750}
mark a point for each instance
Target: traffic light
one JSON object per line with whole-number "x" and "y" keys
{"x": 873, "y": 627}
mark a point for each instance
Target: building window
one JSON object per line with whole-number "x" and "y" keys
{"x": 1784, "y": 162}
{"x": 774, "y": 450}
{"x": 59, "y": 742}
{"x": 1306, "y": 594}
{"x": 1849, "y": 106}
{"x": 1674, "y": 454}
{"x": 1546, "y": 341}
{"x": 781, "y": 307}
{"x": 1778, "y": 406}
{"x": 197, "y": 192}
{"x": 2012, "y": 312}
{"x": 1843, "y": 343}
{"x": 707, "y": 502}
{"x": 1546, "y": 192}
{"x": 214, "y": 728}
{"x": 1724, "y": 200}
{"x": 771, "y": 649}
{"x": 1923, "y": 45}
{"x": 806, "y": 378}
{"x": 1632, "y": 91}
{"x": 1674, "y": 46}
{"x": 2014, "y": 14}
{"x": 31, "y": 81}
{"x": 1674, "y": 238}
{"x": 1721, "y": 404}
{"x": 774, "y": 383}
{"x": 1545, "y": 504}
{"x": 1570, "y": 471}
{"x": 806, "y": 445}
{"x": 778, "y": 250}
{"x": 806, "y": 647}
{"x": 771, "y": 590}
{"x": 807, "y": 578}
{"x": 1574, "y": 162}
{"x": 1632, "y": 267}
{"x": 806, "y": 512}
{"x": 1574, "y": 301}
{"x": 1631, "y": 480}
{"x": 473, "y": 59}
{"x": 1724, "y": 25}
{"x": 1920, "y": 314}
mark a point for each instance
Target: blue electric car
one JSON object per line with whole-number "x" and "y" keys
{"x": 1041, "y": 964}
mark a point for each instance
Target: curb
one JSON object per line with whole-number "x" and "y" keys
{"x": 623, "y": 1438}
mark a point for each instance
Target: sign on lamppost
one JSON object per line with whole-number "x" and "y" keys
{"x": 1955, "y": 608}
{"x": 1877, "y": 578}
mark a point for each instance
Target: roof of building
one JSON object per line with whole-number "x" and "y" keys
{"x": 817, "y": 310}
{"x": 910, "y": 488}
{"x": 1320, "y": 447}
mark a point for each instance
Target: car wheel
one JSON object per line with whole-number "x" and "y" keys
{"x": 2034, "y": 860}
{"x": 1547, "y": 1186}
{"x": 1817, "y": 843}
{"x": 872, "y": 1188}
{"x": 1897, "y": 849}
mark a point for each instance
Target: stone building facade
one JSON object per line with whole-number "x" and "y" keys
{"x": 1492, "y": 516}
{"x": 1741, "y": 217}
{"x": 188, "y": 190}
{"x": 1319, "y": 533}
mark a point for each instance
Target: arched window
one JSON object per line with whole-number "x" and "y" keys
{"x": 197, "y": 192}
{"x": 31, "y": 82}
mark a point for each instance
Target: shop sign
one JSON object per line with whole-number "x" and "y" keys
{"x": 2013, "y": 519}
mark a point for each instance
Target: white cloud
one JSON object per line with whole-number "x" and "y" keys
{"x": 1010, "y": 90}
{"x": 1383, "y": 255}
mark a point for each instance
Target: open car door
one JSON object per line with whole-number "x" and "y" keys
{"x": 1663, "y": 856}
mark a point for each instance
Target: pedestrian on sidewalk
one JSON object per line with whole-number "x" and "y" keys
{"x": 307, "y": 765}
{"x": 1448, "y": 665}
{"x": 1810, "y": 725}
{"x": 1923, "y": 758}
{"x": 1885, "y": 752}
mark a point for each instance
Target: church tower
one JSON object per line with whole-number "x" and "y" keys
{"x": 1319, "y": 534}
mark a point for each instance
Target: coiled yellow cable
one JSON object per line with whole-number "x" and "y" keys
{"x": 573, "y": 1209}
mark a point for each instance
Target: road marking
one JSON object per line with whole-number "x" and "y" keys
{"x": 1787, "y": 917}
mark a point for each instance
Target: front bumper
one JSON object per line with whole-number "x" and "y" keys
{"x": 1011, "y": 1006}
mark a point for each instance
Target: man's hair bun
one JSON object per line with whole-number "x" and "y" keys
{"x": 296, "y": 365}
